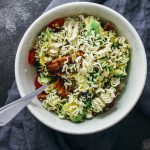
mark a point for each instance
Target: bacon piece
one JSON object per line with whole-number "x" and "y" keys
{"x": 109, "y": 26}
{"x": 59, "y": 86}
{"x": 56, "y": 65}
{"x": 42, "y": 96}
{"x": 80, "y": 53}
{"x": 53, "y": 66}
{"x": 63, "y": 59}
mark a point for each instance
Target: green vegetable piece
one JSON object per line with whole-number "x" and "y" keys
{"x": 77, "y": 118}
{"x": 113, "y": 39}
{"x": 44, "y": 80}
{"x": 111, "y": 69}
{"x": 48, "y": 33}
{"x": 92, "y": 24}
{"x": 69, "y": 108}
{"x": 116, "y": 44}
{"x": 117, "y": 72}
{"x": 88, "y": 104}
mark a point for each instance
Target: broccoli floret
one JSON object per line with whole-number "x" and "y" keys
{"x": 70, "y": 108}
{"x": 88, "y": 103}
{"x": 77, "y": 118}
{"x": 110, "y": 68}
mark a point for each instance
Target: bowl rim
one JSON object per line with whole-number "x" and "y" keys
{"x": 21, "y": 91}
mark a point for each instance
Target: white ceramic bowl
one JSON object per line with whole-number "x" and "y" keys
{"x": 135, "y": 81}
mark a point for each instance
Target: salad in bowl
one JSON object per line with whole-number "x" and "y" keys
{"x": 89, "y": 60}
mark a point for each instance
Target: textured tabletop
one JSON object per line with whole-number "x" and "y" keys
{"x": 15, "y": 17}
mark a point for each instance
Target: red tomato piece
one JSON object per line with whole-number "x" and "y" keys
{"x": 36, "y": 83}
{"x": 31, "y": 58}
{"x": 57, "y": 24}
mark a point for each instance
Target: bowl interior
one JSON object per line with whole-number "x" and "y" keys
{"x": 25, "y": 73}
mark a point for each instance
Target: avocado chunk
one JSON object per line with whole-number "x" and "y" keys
{"x": 92, "y": 24}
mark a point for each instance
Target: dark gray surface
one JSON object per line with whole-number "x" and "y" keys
{"x": 135, "y": 135}
{"x": 15, "y": 17}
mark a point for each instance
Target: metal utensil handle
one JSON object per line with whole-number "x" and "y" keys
{"x": 9, "y": 111}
